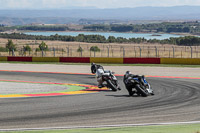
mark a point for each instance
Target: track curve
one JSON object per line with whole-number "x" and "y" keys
{"x": 175, "y": 100}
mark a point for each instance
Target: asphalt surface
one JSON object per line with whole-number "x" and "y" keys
{"x": 175, "y": 100}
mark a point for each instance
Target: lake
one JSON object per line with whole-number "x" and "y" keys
{"x": 107, "y": 34}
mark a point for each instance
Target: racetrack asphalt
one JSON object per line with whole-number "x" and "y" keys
{"x": 175, "y": 100}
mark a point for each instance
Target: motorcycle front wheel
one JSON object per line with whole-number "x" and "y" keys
{"x": 111, "y": 85}
{"x": 143, "y": 92}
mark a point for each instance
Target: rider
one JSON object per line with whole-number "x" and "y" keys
{"x": 128, "y": 75}
{"x": 128, "y": 86}
{"x": 99, "y": 70}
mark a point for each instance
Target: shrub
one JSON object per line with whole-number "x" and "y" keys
{"x": 37, "y": 49}
{"x": 27, "y": 48}
{"x": 2, "y": 49}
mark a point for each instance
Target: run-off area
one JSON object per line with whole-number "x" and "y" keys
{"x": 29, "y": 88}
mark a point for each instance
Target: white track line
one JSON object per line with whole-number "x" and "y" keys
{"x": 101, "y": 126}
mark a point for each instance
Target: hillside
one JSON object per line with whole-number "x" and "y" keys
{"x": 19, "y": 17}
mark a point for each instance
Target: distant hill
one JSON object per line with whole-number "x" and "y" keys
{"x": 36, "y": 20}
{"x": 16, "y": 17}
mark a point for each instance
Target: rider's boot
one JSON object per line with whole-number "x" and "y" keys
{"x": 100, "y": 86}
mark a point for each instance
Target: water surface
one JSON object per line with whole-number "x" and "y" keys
{"x": 107, "y": 34}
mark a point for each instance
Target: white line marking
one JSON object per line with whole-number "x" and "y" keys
{"x": 102, "y": 126}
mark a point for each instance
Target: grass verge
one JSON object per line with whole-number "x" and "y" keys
{"x": 104, "y": 64}
{"x": 188, "y": 128}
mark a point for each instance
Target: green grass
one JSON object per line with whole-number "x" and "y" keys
{"x": 189, "y": 128}
{"x": 149, "y": 65}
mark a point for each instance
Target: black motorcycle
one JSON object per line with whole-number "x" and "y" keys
{"x": 138, "y": 84}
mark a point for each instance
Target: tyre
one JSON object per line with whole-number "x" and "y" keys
{"x": 119, "y": 88}
{"x": 143, "y": 92}
{"x": 150, "y": 89}
{"x": 130, "y": 92}
{"x": 111, "y": 85}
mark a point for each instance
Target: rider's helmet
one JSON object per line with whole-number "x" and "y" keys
{"x": 92, "y": 64}
{"x": 93, "y": 68}
{"x": 128, "y": 72}
{"x": 126, "y": 75}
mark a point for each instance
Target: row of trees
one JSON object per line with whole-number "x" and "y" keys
{"x": 34, "y": 28}
{"x": 79, "y": 38}
{"x": 166, "y": 27}
{"x": 93, "y": 49}
{"x": 10, "y": 46}
{"x": 188, "y": 40}
{"x": 42, "y": 28}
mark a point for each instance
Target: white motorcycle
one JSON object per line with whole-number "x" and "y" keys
{"x": 110, "y": 81}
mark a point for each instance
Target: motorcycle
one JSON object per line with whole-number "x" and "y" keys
{"x": 110, "y": 81}
{"x": 139, "y": 85}
{"x": 108, "y": 78}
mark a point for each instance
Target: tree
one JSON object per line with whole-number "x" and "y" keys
{"x": 95, "y": 49}
{"x": 10, "y": 45}
{"x": 111, "y": 39}
{"x": 43, "y": 46}
{"x": 80, "y": 49}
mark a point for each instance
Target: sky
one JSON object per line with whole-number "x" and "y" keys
{"x": 63, "y": 4}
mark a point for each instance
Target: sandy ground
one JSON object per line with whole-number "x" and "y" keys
{"x": 141, "y": 70}
{"x": 115, "y": 49}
